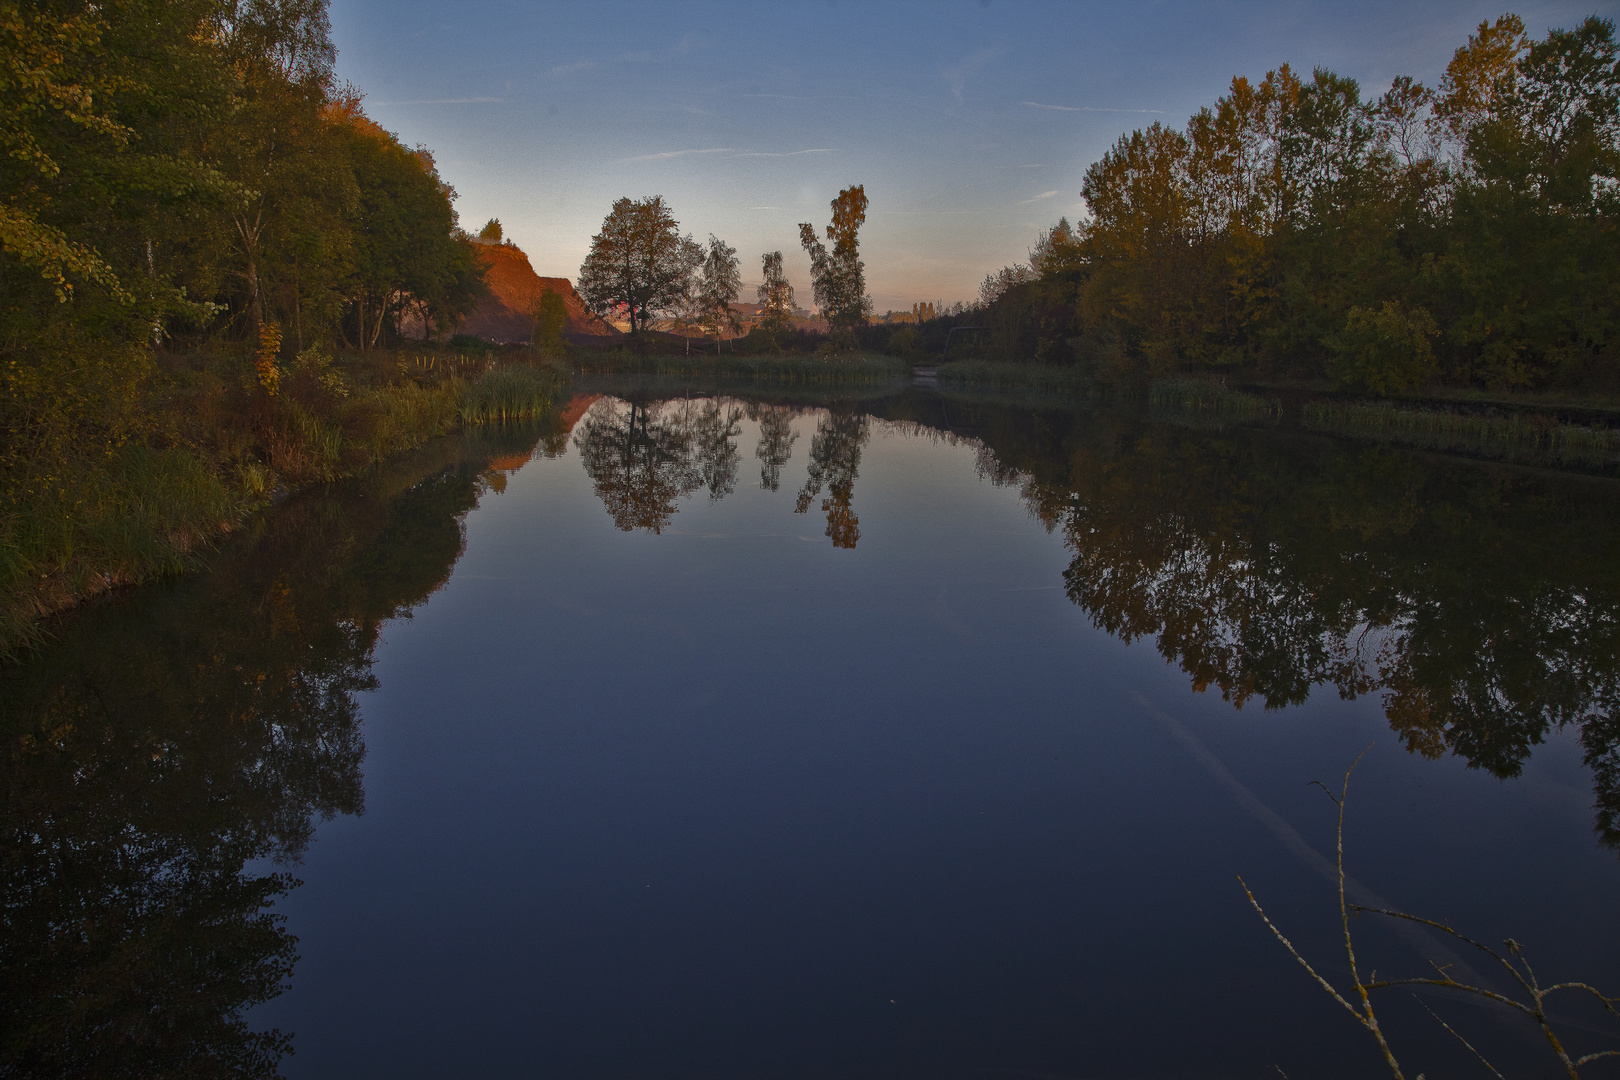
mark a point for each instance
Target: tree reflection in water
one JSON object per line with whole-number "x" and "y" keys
{"x": 1481, "y": 602}
{"x": 639, "y": 455}
{"x": 835, "y": 460}
{"x": 776, "y": 439}
{"x": 167, "y": 743}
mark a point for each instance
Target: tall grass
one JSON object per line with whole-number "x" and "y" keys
{"x": 1039, "y": 377}
{"x": 824, "y": 370}
{"x": 513, "y": 392}
{"x": 1215, "y": 399}
{"x": 1529, "y": 438}
{"x": 84, "y": 530}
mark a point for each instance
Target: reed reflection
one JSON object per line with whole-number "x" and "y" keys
{"x": 166, "y": 756}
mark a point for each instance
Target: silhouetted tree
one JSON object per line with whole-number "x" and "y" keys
{"x": 839, "y": 276}
{"x": 639, "y": 263}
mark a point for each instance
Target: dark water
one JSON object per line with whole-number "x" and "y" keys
{"x": 895, "y": 737}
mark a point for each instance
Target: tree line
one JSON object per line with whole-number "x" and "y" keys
{"x": 1463, "y": 234}
{"x": 641, "y": 267}
{"x": 194, "y": 216}
{"x": 190, "y": 172}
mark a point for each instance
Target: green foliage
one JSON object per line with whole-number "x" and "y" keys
{"x": 858, "y": 368}
{"x": 550, "y": 320}
{"x": 1530, "y": 438}
{"x": 1202, "y": 396}
{"x": 639, "y": 263}
{"x": 1467, "y": 235}
{"x": 491, "y": 230}
{"x": 187, "y": 176}
{"x": 512, "y": 392}
{"x": 1384, "y": 351}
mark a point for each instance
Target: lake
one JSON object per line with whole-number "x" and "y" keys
{"x": 885, "y": 733}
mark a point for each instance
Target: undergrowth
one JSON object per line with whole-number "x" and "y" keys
{"x": 1515, "y": 437}
{"x": 78, "y": 521}
{"x": 816, "y": 369}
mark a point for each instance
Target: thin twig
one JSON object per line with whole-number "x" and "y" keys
{"x": 1459, "y": 1038}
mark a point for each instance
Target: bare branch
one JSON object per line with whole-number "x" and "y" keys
{"x": 1295, "y": 953}
{"x": 1465, "y": 1042}
{"x": 1486, "y": 949}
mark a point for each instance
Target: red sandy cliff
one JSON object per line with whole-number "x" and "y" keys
{"x": 506, "y": 314}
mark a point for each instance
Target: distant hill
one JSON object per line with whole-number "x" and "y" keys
{"x": 505, "y": 315}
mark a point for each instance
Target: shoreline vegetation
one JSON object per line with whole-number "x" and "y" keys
{"x": 218, "y": 452}
{"x": 1528, "y": 430}
{"x": 852, "y": 367}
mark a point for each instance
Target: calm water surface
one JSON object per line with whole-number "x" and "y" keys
{"x": 901, "y": 736}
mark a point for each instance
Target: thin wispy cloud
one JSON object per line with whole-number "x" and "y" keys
{"x": 581, "y": 64}
{"x": 667, "y": 154}
{"x": 956, "y": 77}
{"x": 1037, "y": 198}
{"x": 1086, "y": 108}
{"x": 728, "y": 151}
{"x": 442, "y": 101}
{"x": 789, "y": 153}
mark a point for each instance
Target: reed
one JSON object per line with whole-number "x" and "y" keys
{"x": 792, "y": 369}
{"x": 1038, "y": 377}
{"x": 1522, "y": 437}
{"x": 512, "y": 392}
{"x": 1202, "y": 396}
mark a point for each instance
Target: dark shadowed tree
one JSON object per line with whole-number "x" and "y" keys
{"x": 718, "y": 284}
{"x": 839, "y": 276}
{"x": 639, "y": 263}
{"x": 775, "y": 296}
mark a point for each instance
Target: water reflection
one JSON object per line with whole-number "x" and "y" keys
{"x": 171, "y": 756}
{"x": 776, "y": 439}
{"x": 1482, "y": 603}
{"x": 835, "y": 461}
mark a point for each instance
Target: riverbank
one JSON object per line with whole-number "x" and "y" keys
{"x": 217, "y": 441}
{"x": 1532, "y": 429}
{"x": 791, "y": 368}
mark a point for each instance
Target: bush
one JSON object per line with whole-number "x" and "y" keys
{"x": 1385, "y": 351}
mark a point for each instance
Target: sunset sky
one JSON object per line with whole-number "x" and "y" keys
{"x": 971, "y": 124}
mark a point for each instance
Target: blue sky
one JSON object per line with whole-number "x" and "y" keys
{"x": 970, "y": 123}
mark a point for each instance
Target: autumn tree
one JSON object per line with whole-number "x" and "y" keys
{"x": 775, "y": 295}
{"x": 718, "y": 283}
{"x": 639, "y": 262}
{"x": 839, "y": 276}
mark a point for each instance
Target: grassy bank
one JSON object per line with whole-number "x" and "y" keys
{"x": 997, "y": 376}
{"x": 1213, "y": 399}
{"x": 788, "y": 369}
{"x": 1528, "y": 438}
{"x": 213, "y": 446}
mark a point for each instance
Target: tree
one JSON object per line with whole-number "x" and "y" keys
{"x": 775, "y": 297}
{"x": 719, "y": 282}
{"x": 839, "y": 276}
{"x": 491, "y": 230}
{"x": 639, "y": 262}
{"x": 550, "y": 320}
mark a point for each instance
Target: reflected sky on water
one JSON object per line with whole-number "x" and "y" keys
{"x": 902, "y": 736}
